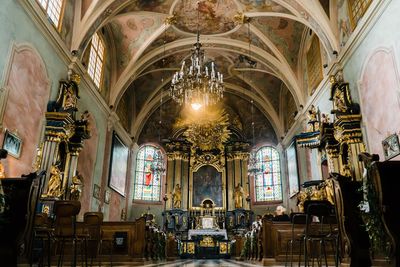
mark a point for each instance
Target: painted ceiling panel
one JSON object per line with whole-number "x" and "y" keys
{"x": 130, "y": 32}
{"x": 262, "y": 6}
{"x": 285, "y": 34}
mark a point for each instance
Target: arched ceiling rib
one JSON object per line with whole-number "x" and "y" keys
{"x": 142, "y": 40}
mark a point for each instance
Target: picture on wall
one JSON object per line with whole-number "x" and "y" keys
{"x": 391, "y": 147}
{"x": 207, "y": 184}
{"x": 293, "y": 175}
{"x": 118, "y": 165}
{"x": 107, "y": 196}
{"x": 96, "y": 191}
{"x": 12, "y": 143}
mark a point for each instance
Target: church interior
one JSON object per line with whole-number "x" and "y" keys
{"x": 199, "y": 133}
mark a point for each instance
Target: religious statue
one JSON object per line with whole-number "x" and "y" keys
{"x": 302, "y": 196}
{"x": 76, "y": 187}
{"x": 329, "y": 191}
{"x": 340, "y": 95}
{"x": 176, "y": 196}
{"x": 54, "y": 186}
{"x": 238, "y": 195}
{"x": 313, "y": 123}
{"x": 325, "y": 118}
{"x": 3, "y": 155}
{"x": 2, "y": 172}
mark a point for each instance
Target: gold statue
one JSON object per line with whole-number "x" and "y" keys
{"x": 2, "y": 172}
{"x": 176, "y": 196}
{"x": 302, "y": 196}
{"x": 76, "y": 187}
{"x": 54, "y": 186}
{"x": 329, "y": 191}
{"x": 313, "y": 123}
{"x": 238, "y": 195}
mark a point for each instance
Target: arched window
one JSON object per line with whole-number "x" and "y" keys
{"x": 147, "y": 184}
{"x": 53, "y": 10}
{"x": 357, "y": 9}
{"x": 267, "y": 182}
{"x": 96, "y": 59}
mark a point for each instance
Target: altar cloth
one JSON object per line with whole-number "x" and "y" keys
{"x": 210, "y": 232}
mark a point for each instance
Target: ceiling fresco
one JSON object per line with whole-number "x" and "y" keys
{"x": 242, "y": 34}
{"x": 130, "y": 32}
{"x": 262, "y": 6}
{"x": 210, "y": 16}
{"x": 159, "y": 6}
{"x": 285, "y": 33}
{"x": 152, "y": 37}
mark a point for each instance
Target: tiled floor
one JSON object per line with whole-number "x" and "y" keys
{"x": 200, "y": 263}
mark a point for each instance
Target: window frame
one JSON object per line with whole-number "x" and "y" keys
{"x": 61, "y": 16}
{"x": 253, "y": 180}
{"x": 101, "y": 40}
{"x": 162, "y": 178}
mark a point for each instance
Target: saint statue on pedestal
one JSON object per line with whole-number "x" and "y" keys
{"x": 54, "y": 186}
{"x": 176, "y": 196}
{"x": 238, "y": 195}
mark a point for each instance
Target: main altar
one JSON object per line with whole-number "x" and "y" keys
{"x": 207, "y": 199}
{"x": 205, "y": 239}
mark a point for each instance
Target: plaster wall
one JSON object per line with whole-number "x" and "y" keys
{"x": 372, "y": 71}
{"x": 17, "y": 28}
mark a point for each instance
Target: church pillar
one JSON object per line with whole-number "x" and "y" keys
{"x": 178, "y": 170}
{"x": 237, "y": 161}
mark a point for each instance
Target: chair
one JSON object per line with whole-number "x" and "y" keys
{"x": 65, "y": 227}
{"x": 319, "y": 232}
{"x": 93, "y": 222}
{"x": 43, "y": 232}
{"x": 296, "y": 219}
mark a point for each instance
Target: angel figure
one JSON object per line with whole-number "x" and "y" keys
{"x": 54, "y": 186}
{"x": 76, "y": 187}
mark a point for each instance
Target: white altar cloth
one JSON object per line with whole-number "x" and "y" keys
{"x": 194, "y": 232}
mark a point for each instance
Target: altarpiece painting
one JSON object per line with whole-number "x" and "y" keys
{"x": 207, "y": 184}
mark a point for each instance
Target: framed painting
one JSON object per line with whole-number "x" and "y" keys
{"x": 207, "y": 184}
{"x": 96, "y": 191}
{"x": 391, "y": 147}
{"x": 12, "y": 143}
{"x": 107, "y": 196}
{"x": 293, "y": 172}
{"x": 118, "y": 165}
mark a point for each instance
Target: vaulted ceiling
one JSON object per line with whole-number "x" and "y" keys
{"x": 146, "y": 51}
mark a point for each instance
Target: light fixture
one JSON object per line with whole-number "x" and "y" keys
{"x": 254, "y": 165}
{"x": 198, "y": 84}
{"x": 158, "y": 166}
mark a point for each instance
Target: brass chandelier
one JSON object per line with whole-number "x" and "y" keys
{"x": 198, "y": 84}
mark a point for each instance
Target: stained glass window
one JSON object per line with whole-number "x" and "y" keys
{"x": 147, "y": 184}
{"x": 267, "y": 181}
{"x": 96, "y": 57}
{"x": 53, "y": 9}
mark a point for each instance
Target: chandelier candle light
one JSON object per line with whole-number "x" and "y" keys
{"x": 198, "y": 85}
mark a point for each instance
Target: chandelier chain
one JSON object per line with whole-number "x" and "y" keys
{"x": 199, "y": 83}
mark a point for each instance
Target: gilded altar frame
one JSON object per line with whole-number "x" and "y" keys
{"x": 223, "y": 189}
